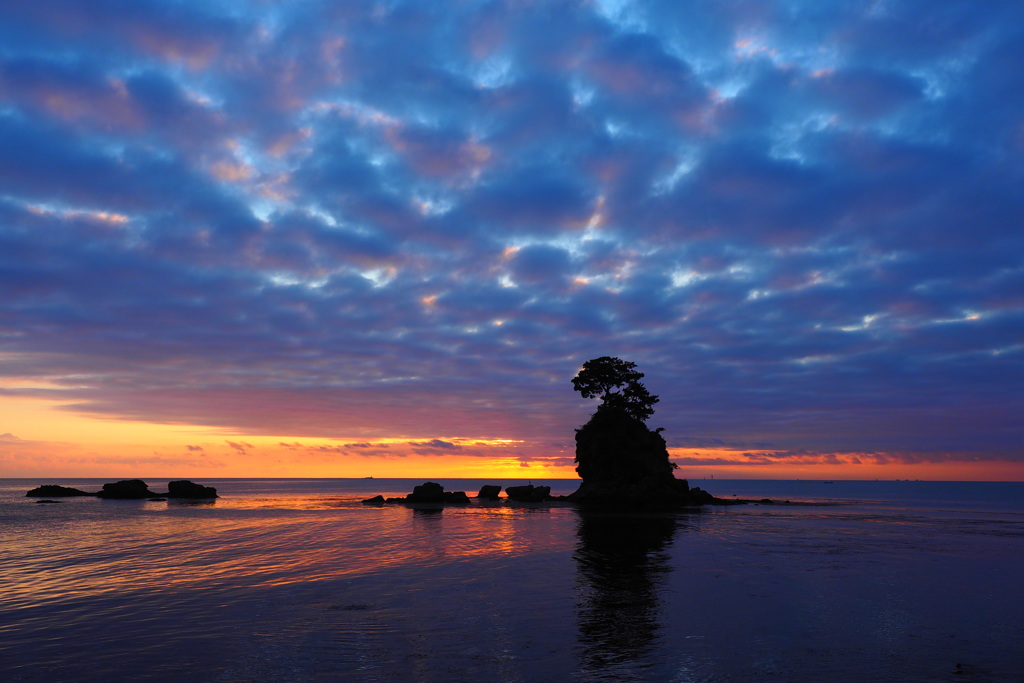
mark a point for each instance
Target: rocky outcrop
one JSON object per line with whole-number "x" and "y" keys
{"x": 54, "y": 491}
{"x": 128, "y": 489}
{"x": 187, "y": 489}
{"x": 699, "y": 496}
{"x": 623, "y": 463}
{"x": 429, "y": 492}
{"x": 456, "y": 498}
{"x": 528, "y": 493}
{"x": 489, "y": 492}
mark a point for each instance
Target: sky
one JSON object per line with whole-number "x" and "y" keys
{"x": 259, "y": 238}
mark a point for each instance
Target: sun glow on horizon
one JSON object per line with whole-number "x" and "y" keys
{"x": 43, "y": 437}
{"x": 46, "y": 438}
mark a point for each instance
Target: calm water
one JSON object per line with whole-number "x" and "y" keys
{"x": 294, "y": 580}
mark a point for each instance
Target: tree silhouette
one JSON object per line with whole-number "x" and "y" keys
{"x": 617, "y": 383}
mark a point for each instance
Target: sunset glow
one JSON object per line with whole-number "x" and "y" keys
{"x": 59, "y": 442}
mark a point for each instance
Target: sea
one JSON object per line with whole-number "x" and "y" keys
{"x": 297, "y": 580}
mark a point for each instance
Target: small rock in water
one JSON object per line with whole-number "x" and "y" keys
{"x": 528, "y": 493}
{"x": 187, "y": 489}
{"x": 54, "y": 491}
{"x": 456, "y": 498}
{"x": 489, "y": 492}
{"x": 127, "y": 489}
{"x": 427, "y": 492}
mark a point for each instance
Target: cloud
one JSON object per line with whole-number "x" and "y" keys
{"x": 541, "y": 265}
{"x": 867, "y": 94}
{"x": 370, "y": 222}
{"x": 531, "y": 200}
{"x": 434, "y": 447}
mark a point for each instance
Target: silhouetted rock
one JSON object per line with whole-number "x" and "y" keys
{"x": 427, "y": 492}
{"x": 456, "y": 498}
{"x": 528, "y": 493}
{"x": 49, "y": 501}
{"x": 699, "y": 496}
{"x": 128, "y": 489}
{"x": 519, "y": 492}
{"x": 489, "y": 492}
{"x": 54, "y": 491}
{"x": 187, "y": 489}
{"x": 621, "y": 462}
{"x": 624, "y": 463}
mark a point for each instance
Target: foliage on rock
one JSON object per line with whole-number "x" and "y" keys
{"x": 617, "y": 383}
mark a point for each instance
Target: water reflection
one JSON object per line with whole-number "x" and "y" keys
{"x": 622, "y": 570}
{"x": 190, "y": 502}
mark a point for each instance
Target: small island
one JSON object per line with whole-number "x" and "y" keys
{"x": 622, "y": 463}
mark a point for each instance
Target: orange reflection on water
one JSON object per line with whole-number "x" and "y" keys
{"x": 91, "y": 549}
{"x": 498, "y": 529}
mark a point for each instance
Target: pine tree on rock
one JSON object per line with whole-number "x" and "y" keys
{"x": 617, "y": 383}
{"x": 620, "y": 460}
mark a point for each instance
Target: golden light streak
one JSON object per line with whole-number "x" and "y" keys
{"x": 746, "y": 48}
{"x": 32, "y": 419}
{"x": 73, "y": 214}
{"x": 725, "y": 463}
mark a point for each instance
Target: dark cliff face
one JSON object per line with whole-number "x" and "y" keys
{"x": 621, "y": 461}
{"x": 613, "y": 446}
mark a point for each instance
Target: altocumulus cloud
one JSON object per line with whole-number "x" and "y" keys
{"x": 369, "y": 220}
